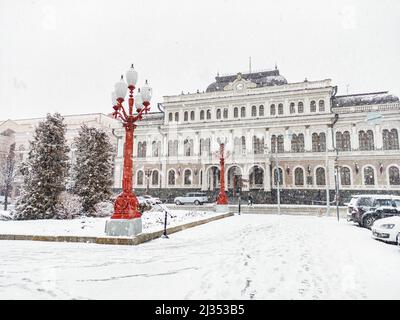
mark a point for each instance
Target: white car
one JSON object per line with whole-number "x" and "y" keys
{"x": 196, "y": 198}
{"x": 151, "y": 200}
{"x": 386, "y": 229}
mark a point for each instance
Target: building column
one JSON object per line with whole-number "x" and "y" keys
{"x": 329, "y": 138}
{"x": 378, "y": 141}
{"x": 308, "y": 141}
{"x": 287, "y": 141}
{"x": 354, "y": 138}
{"x": 267, "y": 176}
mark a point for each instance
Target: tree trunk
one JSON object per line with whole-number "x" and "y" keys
{"x": 6, "y": 199}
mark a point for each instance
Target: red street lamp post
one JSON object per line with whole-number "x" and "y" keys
{"x": 126, "y": 204}
{"x": 222, "y": 198}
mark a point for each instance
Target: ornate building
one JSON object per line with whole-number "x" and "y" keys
{"x": 268, "y": 123}
{"x": 269, "y": 126}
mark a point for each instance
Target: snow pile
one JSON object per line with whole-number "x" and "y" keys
{"x": 94, "y": 226}
{"x": 5, "y": 215}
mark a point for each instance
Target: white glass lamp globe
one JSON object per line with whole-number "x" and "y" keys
{"x": 121, "y": 88}
{"x": 138, "y": 101}
{"x": 114, "y": 98}
{"x": 146, "y": 92}
{"x": 131, "y": 76}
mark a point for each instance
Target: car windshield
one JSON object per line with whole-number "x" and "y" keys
{"x": 383, "y": 202}
{"x": 367, "y": 202}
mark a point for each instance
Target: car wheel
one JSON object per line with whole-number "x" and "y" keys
{"x": 368, "y": 221}
{"x": 177, "y": 202}
{"x": 197, "y": 202}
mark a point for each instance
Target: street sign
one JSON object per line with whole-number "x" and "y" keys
{"x": 374, "y": 118}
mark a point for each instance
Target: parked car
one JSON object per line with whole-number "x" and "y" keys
{"x": 196, "y": 198}
{"x": 151, "y": 200}
{"x": 389, "y": 209}
{"x": 365, "y": 205}
{"x": 387, "y": 229}
{"x": 350, "y": 207}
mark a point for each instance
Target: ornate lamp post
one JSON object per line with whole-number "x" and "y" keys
{"x": 126, "y": 204}
{"x": 222, "y": 198}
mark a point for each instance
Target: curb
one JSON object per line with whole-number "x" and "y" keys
{"x": 139, "y": 239}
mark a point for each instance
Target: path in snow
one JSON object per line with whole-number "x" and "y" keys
{"x": 242, "y": 257}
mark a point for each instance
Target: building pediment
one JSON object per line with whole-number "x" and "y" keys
{"x": 9, "y": 127}
{"x": 240, "y": 84}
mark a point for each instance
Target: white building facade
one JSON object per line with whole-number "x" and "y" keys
{"x": 267, "y": 124}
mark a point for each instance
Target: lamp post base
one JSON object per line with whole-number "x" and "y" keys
{"x": 124, "y": 227}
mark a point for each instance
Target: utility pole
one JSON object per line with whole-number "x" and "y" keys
{"x": 278, "y": 192}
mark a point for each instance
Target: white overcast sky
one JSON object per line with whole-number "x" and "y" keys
{"x": 65, "y": 55}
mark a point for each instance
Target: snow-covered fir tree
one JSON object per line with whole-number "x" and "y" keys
{"x": 92, "y": 168}
{"x": 7, "y": 174}
{"x": 45, "y": 171}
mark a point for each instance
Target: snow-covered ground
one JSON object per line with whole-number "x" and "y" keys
{"x": 94, "y": 227}
{"x": 241, "y": 257}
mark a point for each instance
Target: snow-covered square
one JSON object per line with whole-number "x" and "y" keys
{"x": 240, "y": 257}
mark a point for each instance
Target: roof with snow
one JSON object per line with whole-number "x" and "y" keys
{"x": 364, "y": 99}
{"x": 261, "y": 78}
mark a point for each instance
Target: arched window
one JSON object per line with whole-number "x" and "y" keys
{"x": 154, "y": 178}
{"x": 236, "y": 112}
{"x": 320, "y": 176}
{"x": 313, "y": 106}
{"x": 390, "y": 139}
{"x": 208, "y": 114}
{"x": 258, "y": 145}
{"x": 276, "y": 172}
{"x": 243, "y": 112}
{"x": 343, "y": 142}
{"x": 171, "y": 177}
{"x": 366, "y": 140}
{"x": 177, "y": 116}
{"x": 202, "y": 115}
{"x": 261, "y": 111}
{"x": 192, "y": 115}
{"x": 225, "y": 113}
{"x": 369, "y": 176}
{"x": 300, "y": 107}
{"x": 345, "y": 176}
{"x": 156, "y": 148}
{"x": 394, "y": 176}
{"x": 142, "y": 149}
{"x": 280, "y": 142}
{"x": 272, "y": 110}
{"x": 170, "y": 116}
{"x": 139, "y": 178}
{"x": 188, "y": 147}
{"x": 186, "y": 116}
{"x": 321, "y": 105}
{"x": 254, "y": 111}
{"x": 280, "y": 108}
{"x": 256, "y": 177}
{"x": 318, "y": 142}
{"x": 292, "y": 108}
{"x": 299, "y": 177}
{"x": 218, "y": 114}
{"x": 187, "y": 177}
{"x": 205, "y": 146}
{"x": 297, "y": 143}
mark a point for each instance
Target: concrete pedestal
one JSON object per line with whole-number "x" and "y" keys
{"x": 123, "y": 227}
{"x": 221, "y": 208}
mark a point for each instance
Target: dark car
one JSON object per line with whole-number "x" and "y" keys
{"x": 368, "y": 208}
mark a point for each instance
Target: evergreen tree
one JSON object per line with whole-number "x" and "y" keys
{"x": 45, "y": 170}
{"x": 92, "y": 170}
{"x": 7, "y": 174}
